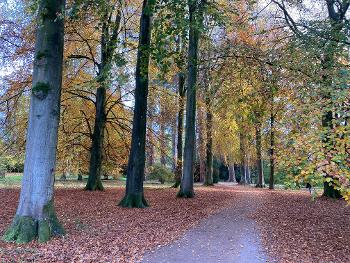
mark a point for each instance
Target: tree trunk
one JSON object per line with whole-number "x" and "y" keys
{"x": 35, "y": 216}
{"x": 186, "y": 187}
{"x": 150, "y": 146}
{"x": 96, "y": 153}
{"x": 336, "y": 20}
{"x": 249, "y": 179}
{"x": 231, "y": 173}
{"x": 243, "y": 158}
{"x": 108, "y": 46}
{"x": 134, "y": 196}
{"x": 201, "y": 145}
{"x": 163, "y": 144}
{"x": 80, "y": 177}
{"x": 327, "y": 123}
{"x": 259, "y": 166}
{"x": 209, "y": 147}
{"x": 272, "y": 150}
{"x": 180, "y": 120}
{"x": 173, "y": 145}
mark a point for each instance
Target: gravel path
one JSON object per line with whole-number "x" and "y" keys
{"x": 229, "y": 236}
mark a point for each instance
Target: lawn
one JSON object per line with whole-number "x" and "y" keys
{"x": 13, "y": 180}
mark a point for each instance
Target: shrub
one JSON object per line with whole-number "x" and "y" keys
{"x": 160, "y": 173}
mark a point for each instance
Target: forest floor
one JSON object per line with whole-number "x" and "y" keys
{"x": 286, "y": 226}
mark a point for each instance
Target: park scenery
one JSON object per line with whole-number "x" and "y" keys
{"x": 175, "y": 131}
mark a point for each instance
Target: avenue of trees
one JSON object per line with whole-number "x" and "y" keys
{"x": 112, "y": 87}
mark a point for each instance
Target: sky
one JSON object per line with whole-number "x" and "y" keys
{"x": 9, "y": 10}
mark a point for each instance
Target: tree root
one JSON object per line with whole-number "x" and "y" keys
{"x": 97, "y": 186}
{"x": 134, "y": 201}
{"x": 185, "y": 194}
{"x": 25, "y": 229}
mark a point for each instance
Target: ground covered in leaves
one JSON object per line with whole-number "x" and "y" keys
{"x": 296, "y": 229}
{"x": 100, "y": 231}
{"x": 292, "y": 227}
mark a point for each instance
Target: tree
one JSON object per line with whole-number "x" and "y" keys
{"x": 195, "y": 20}
{"x": 180, "y": 121}
{"x": 209, "y": 146}
{"x": 259, "y": 160}
{"x": 108, "y": 15}
{"x": 169, "y": 45}
{"x": 328, "y": 38}
{"x": 337, "y": 16}
{"x": 35, "y": 216}
{"x": 272, "y": 147}
{"x": 109, "y": 38}
{"x": 134, "y": 196}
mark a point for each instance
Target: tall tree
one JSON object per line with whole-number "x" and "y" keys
{"x": 259, "y": 160}
{"x": 180, "y": 123}
{"x": 36, "y": 216}
{"x": 109, "y": 38}
{"x": 243, "y": 157}
{"x": 195, "y": 20}
{"x": 134, "y": 196}
{"x": 337, "y": 16}
{"x": 209, "y": 146}
{"x": 330, "y": 40}
{"x": 272, "y": 147}
{"x": 201, "y": 142}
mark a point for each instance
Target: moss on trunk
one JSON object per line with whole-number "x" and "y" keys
{"x": 134, "y": 201}
{"x": 185, "y": 194}
{"x": 25, "y": 228}
{"x": 22, "y": 230}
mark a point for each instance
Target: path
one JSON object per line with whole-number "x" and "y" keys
{"x": 228, "y": 237}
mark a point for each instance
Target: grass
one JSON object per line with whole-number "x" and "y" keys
{"x": 11, "y": 180}
{"x": 14, "y": 181}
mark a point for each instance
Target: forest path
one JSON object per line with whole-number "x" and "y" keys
{"x": 227, "y": 237}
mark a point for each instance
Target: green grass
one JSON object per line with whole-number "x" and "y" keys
{"x": 14, "y": 181}
{"x": 11, "y": 180}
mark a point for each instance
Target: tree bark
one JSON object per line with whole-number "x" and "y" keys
{"x": 259, "y": 166}
{"x": 134, "y": 196}
{"x": 232, "y": 174}
{"x": 272, "y": 150}
{"x": 150, "y": 143}
{"x": 163, "y": 144}
{"x": 35, "y": 216}
{"x": 96, "y": 153}
{"x": 201, "y": 145}
{"x": 249, "y": 179}
{"x": 180, "y": 123}
{"x": 186, "y": 187}
{"x": 208, "y": 181}
{"x": 243, "y": 164}
{"x": 173, "y": 145}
